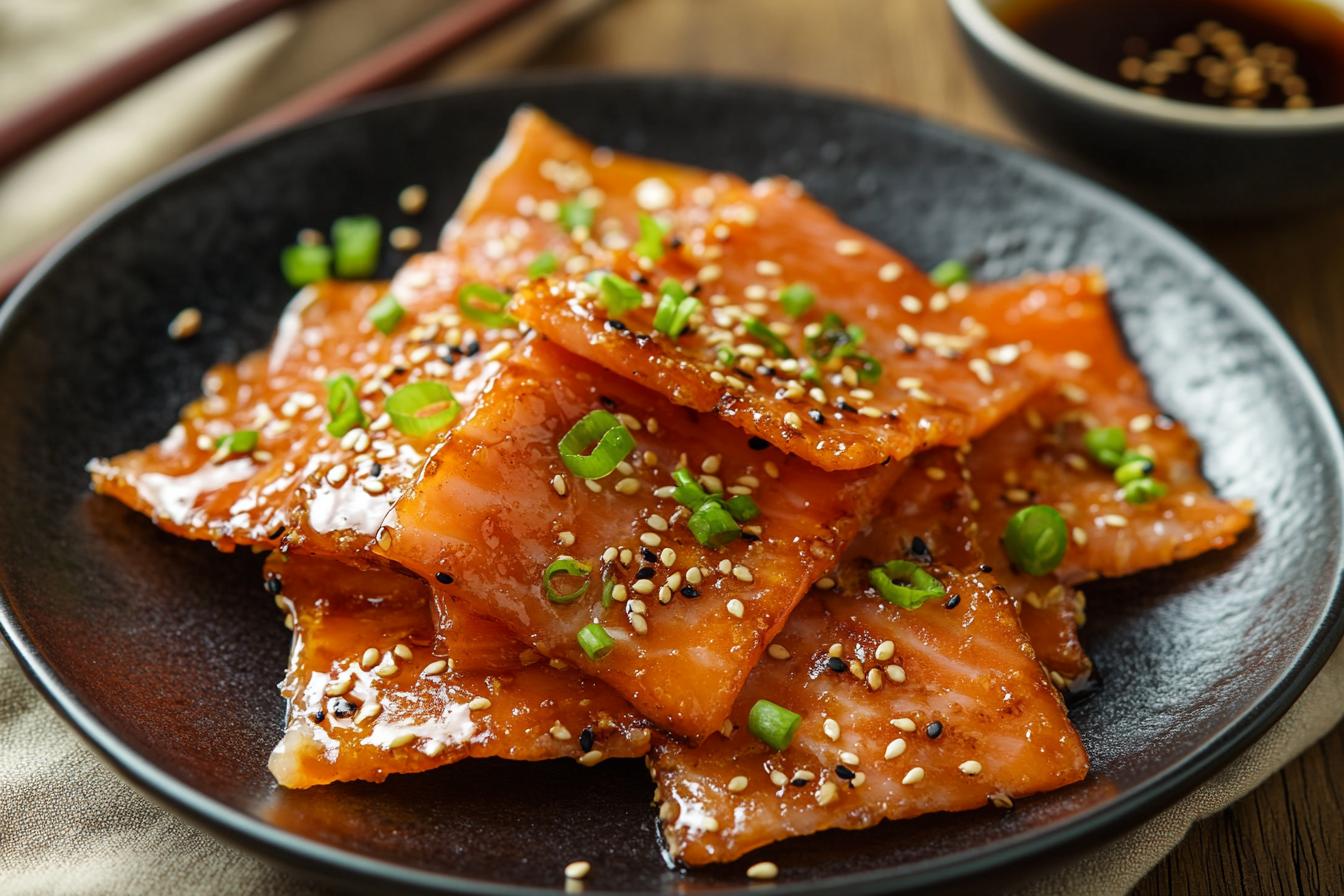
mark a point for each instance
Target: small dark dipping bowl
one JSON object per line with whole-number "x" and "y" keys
{"x": 165, "y": 654}
{"x": 1183, "y": 159}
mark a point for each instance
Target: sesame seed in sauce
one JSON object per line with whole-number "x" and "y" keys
{"x": 649, "y": 539}
{"x": 934, "y": 730}
{"x": 970, "y": 767}
{"x": 792, "y": 420}
{"x": 627, "y": 486}
{"x": 435, "y": 668}
{"x": 914, "y": 776}
{"x": 1115, "y": 521}
{"x": 403, "y": 651}
{"x": 763, "y": 871}
{"x": 778, "y": 778}
{"x": 736, "y": 608}
{"x": 618, "y": 592}
{"x": 643, "y": 586}
{"x": 1079, "y": 536}
{"x": 725, "y": 566}
{"x": 1001, "y": 801}
{"x": 337, "y": 688}
{"x": 336, "y": 475}
{"x": 912, "y": 304}
{"x": 566, "y": 538}
{"x": 404, "y": 239}
{"x": 412, "y": 200}
{"x": 401, "y": 740}
{"x": 626, "y": 556}
{"x": 804, "y": 777}
{"x": 742, "y": 574}
{"x": 479, "y": 703}
{"x": 591, "y": 758}
{"x": 593, "y": 486}
{"x": 387, "y": 670}
{"x": 826, "y": 793}
{"x": 874, "y": 680}
{"x": 895, "y": 748}
{"x": 186, "y": 324}
{"x": 668, "y": 556}
{"x": 1141, "y": 423}
{"x": 890, "y": 272}
{"x": 369, "y": 710}
{"x": 369, "y": 657}
{"x": 373, "y": 486}
{"x": 904, "y": 724}
{"x": 849, "y": 248}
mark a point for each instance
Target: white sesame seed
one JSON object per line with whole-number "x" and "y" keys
{"x": 369, "y": 657}
{"x": 909, "y": 382}
{"x": 849, "y": 758}
{"x": 337, "y": 688}
{"x": 592, "y": 757}
{"x": 401, "y": 740}
{"x": 649, "y": 539}
{"x": 186, "y": 324}
{"x": 736, "y": 608}
{"x": 885, "y": 651}
{"x": 372, "y": 486}
{"x": 558, "y": 483}
{"x": 1115, "y": 521}
{"x": 776, "y": 651}
{"x": 1078, "y": 360}
{"x": 912, "y": 304}
{"x": 738, "y": 784}
{"x": 914, "y": 776}
{"x": 895, "y": 673}
{"x": 665, "y": 595}
{"x": 763, "y": 871}
{"x": 904, "y": 724}
{"x": 577, "y": 870}
{"x": 771, "y": 469}
{"x": 412, "y": 199}
{"x": 895, "y": 748}
{"x": 849, "y": 247}
{"x": 711, "y": 464}
{"x": 479, "y": 703}
{"x": 666, "y": 491}
{"x": 1003, "y": 355}
{"x": 643, "y": 586}
{"x": 626, "y": 556}
{"x": 653, "y": 194}
{"x": 627, "y": 486}
{"x": 608, "y": 555}
{"x": 890, "y": 272}
{"x": 639, "y": 624}
{"x": 718, "y": 377}
{"x": 630, "y": 422}
{"x": 804, "y": 776}
{"x": 336, "y": 475}
{"x": 826, "y": 793}
{"x": 386, "y": 670}
{"x": 921, "y": 395}
{"x": 694, "y": 576}
{"x": 908, "y": 334}
{"x": 711, "y": 483}
{"x": 618, "y": 592}
{"x": 435, "y": 668}
{"x": 403, "y": 239}
{"x": 725, "y": 566}
{"x": 674, "y": 581}
{"x": 874, "y": 679}
{"x": 983, "y": 372}
{"x": 566, "y": 538}
{"x": 939, "y": 302}
{"x": 560, "y": 732}
{"x": 369, "y": 710}
{"x": 593, "y": 486}
{"x": 668, "y": 556}
{"x": 937, "y": 474}
{"x": 971, "y": 767}
{"x": 778, "y": 778}
{"x": 793, "y": 420}
{"x": 836, "y": 649}
{"x": 1073, "y": 393}
{"x": 709, "y": 273}
{"x": 817, "y": 394}
{"x": 433, "y": 748}
{"x": 1141, "y": 423}
{"x": 742, "y": 574}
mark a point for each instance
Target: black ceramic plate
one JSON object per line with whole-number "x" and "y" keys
{"x": 165, "y": 653}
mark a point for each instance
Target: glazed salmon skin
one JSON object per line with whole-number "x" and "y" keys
{"x": 498, "y": 506}
{"x": 898, "y": 366}
{"x": 1062, "y": 324}
{"x": 370, "y": 693}
{"x": 903, "y": 712}
{"x": 301, "y": 485}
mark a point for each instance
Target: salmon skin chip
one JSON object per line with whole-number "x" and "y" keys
{"x": 942, "y": 708}
{"x": 1061, "y": 324}
{"x": 808, "y": 333}
{"x": 298, "y": 477}
{"x": 500, "y": 513}
{"x": 369, "y": 696}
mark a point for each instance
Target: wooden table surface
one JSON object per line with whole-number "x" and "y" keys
{"x": 1288, "y": 835}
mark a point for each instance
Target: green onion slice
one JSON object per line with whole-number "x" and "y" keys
{"x": 651, "y": 235}
{"x": 766, "y": 337}
{"x": 385, "y": 314}
{"x": 948, "y": 272}
{"x": 905, "y": 584}
{"x": 713, "y": 525}
{"x": 835, "y": 339}
{"x": 1106, "y": 444}
{"x": 772, "y": 724}
{"x": 674, "y": 316}
{"x": 356, "y": 241}
{"x": 542, "y": 265}
{"x": 574, "y": 213}
{"x": 241, "y": 442}
{"x": 484, "y": 304}
{"x": 1036, "y": 538}
{"x": 421, "y": 408}
{"x": 796, "y": 298}
{"x": 302, "y": 264}
{"x": 595, "y": 641}
{"x": 343, "y": 405}
{"x": 726, "y": 356}
{"x": 1143, "y": 490}
{"x": 565, "y": 566}
{"x": 1130, "y": 470}
{"x": 742, "y": 508}
{"x": 614, "y": 444}
{"x": 619, "y": 294}
{"x": 688, "y": 492}
{"x": 608, "y": 589}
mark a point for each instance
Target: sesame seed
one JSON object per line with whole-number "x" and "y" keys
{"x": 939, "y": 301}
{"x": 778, "y": 778}
{"x": 433, "y": 748}
{"x": 856, "y": 669}
{"x": 435, "y": 668}
{"x": 835, "y": 650}
{"x": 849, "y": 758}
{"x": 591, "y": 758}
{"x": 1076, "y": 462}
{"x": 369, "y": 657}
{"x": 337, "y": 688}
{"x": 832, "y": 729}
{"x": 186, "y": 324}
{"x": 560, "y": 732}
{"x": 479, "y": 703}
{"x": 742, "y": 574}
{"x": 709, "y": 273}
{"x": 639, "y": 624}
{"x": 626, "y": 556}
{"x": 736, "y": 608}
{"x": 804, "y": 776}
{"x": 908, "y": 334}
{"x": 738, "y": 784}
{"x": 826, "y": 793}
{"x": 412, "y": 199}
{"x": 725, "y": 566}
{"x": 1079, "y": 536}
{"x": 825, "y": 583}
{"x": 793, "y": 420}
{"x": 1078, "y": 360}
{"x": 372, "y": 486}
{"x": 817, "y": 394}
{"x": 909, "y": 382}
{"x": 336, "y": 475}
{"x": 776, "y": 651}
{"x": 914, "y": 776}
{"x": 711, "y": 464}
{"x": 643, "y": 586}
{"x": 558, "y": 483}
{"x": 608, "y": 555}
{"x": 874, "y": 680}
{"x": 577, "y": 870}
{"x": 566, "y": 538}
{"x": 849, "y": 247}
{"x": 403, "y": 239}
{"x": 665, "y": 595}
{"x": 619, "y": 593}
{"x": 912, "y": 304}
{"x": 668, "y": 556}
{"x": 593, "y": 486}
{"x": 369, "y": 710}
{"x": 649, "y": 539}
{"x": 885, "y": 651}
{"x": 870, "y": 412}
{"x": 1115, "y": 521}
{"x": 971, "y": 767}
{"x": 895, "y": 748}
{"x": 1141, "y": 423}
{"x": 401, "y": 740}
{"x": 1073, "y": 393}
{"x": 666, "y": 491}
{"x": 763, "y": 871}
{"x": 652, "y": 425}
{"x": 921, "y": 395}
{"x": 983, "y": 372}
{"x": 937, "y": 474}
{"x": 771, "y": 470}
{"x": 889, "y": 272}
{"x": 904, "y": 724}
{"x": 694, "y": 576}
{"x": 627, "y": 486}
{"x": 895, "y": 673}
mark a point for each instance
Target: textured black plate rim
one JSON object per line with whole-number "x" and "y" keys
{"x": 1054, "y": 844}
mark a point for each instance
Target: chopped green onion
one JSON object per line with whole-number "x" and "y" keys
{"x": 688, "y": 492}
{"x": 542, "y": 265}
{"x": 614, "y": 443}
{"x": 651, "y": 235}
{"x": 240, "y": 442}
{"x": 870, "y": 369}
{"x": 619, "y": 294}
{"x": 743, "y": 509}
{"x": 1106, "y": 444}
{"x": 303, "y": 264}
{"x": 343, "y": 405}
{"x": 574, "y": 213}
{"x": 674, "y": 316}
{"x": 595, "y": 641}
{"x": 903, "y": 583}
{"x": 608, "y": 592}
{"x": 484, "y": 304}
{"x": 1141, "y": 491}
{"x": 1133, "y": 469}
{"x": 355, "y": 241}
{"x": 772, "y": 724}
{"x": 811, "y": 374}
{"x": 796, "y": 299}
{"x": 835, "y": 339}
{"x": 725, "y": 356}
{"x": 949, "y": 272}
{"x": 712, "y": 525}
{"x": 766, "y": 337}
{"x": 565, "y": 566}
{"x": 385, "y": 314}
{"x": 1036, "y": 539}
{"x": 421, "y": 408}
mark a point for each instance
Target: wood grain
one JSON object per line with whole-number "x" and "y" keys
{"x": 1287, "y": 837}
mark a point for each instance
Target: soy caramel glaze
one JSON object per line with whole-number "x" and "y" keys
{"x": 1003, "y": 730}
{"x": 735, "y": 245}
{"x": 426, "y": 716}
{"x": 497, "y": 505}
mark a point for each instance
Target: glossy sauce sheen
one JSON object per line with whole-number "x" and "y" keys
{"x": 969, "y": 669}
{"x": 487, "y": 512}
{"x": 339, "y": 612}
{"x": 737, "y": 241}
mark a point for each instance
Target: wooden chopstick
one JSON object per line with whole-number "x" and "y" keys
{"x": 394, "y": 64}
{"x": 44, "y": 119}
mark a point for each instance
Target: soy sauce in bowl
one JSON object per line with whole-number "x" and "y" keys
{"x": 1266, "y": 54}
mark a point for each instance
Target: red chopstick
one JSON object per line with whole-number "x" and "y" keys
{"x": 394, "y": 64}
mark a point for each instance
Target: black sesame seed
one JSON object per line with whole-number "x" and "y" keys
{"x": 639, "y": 278}
{"x": 608, "y": 403}
{"x": 471, "y": 348}
{"x": 376, "y": 470}
{"x": 844, "y": 773}
{"x": 444, "y": 577}
{"x": 319, "y": 716}
{"x": 985, "y": 567}
{"x": 817, "y": 416}
{"x": 341, "y": 708}
{"x": 799, "y": 782}
{"x": 756, "y": 443}
{"x": 920, "y": 551}
{"x": 645, "y": 573}
{"x": 837, "y": 664}
{"x": 934, "y": 729}
{"x": 740, "y": 372}
{"x": 648, "y": 555}
{"x": 951, "y": 604}
{"x": 675, "y": 243}
{"x": 695, "y": 290}
{"x": 846, "y": 406}
{"x": 765, "y": 370}
{"x": 908, "y": 348}
{"x": 690, "y": 591}
{"x": 615, "y": 325}
{"x": 749, "y": 537}
{"x": 586, "y": 740}
{"x": 273, "y": 585}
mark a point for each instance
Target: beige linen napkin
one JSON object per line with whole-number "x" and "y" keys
{"x": 68, "y": 825}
